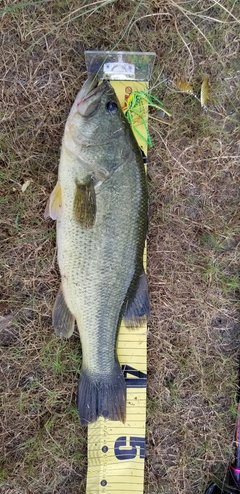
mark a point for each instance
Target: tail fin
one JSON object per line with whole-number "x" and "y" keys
{"x": 100, "y": 395}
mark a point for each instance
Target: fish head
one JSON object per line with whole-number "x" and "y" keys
{"x": 98, "y": 127}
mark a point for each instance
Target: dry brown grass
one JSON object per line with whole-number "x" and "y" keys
{"x": 193, "y": 245}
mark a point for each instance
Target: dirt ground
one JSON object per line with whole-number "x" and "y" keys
{"x": 193, "y": 239}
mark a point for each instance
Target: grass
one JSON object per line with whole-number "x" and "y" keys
{"x": 193, "y": 242}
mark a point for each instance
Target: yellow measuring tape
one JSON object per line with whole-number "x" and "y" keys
{"x": 116, "y": 451}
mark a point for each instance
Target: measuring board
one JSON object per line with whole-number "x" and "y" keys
{"x": 116, "y": 451}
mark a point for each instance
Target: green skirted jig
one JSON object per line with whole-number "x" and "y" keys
{"x": 135, "y": 110}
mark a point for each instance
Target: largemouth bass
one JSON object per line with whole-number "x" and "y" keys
{"x": 100, "y": 204}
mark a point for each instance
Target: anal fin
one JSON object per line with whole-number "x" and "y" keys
{"x": 62, "y": 318}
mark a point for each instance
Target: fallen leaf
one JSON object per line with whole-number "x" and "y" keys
{"x": 25, "y": 185}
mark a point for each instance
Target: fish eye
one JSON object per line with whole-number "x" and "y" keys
{"x": 112, "y": 107}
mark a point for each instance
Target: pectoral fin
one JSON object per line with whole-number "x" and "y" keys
{"x": 84, "y": 206}
{"x": 54, "y": 204}
{"x": 63, "y": 320}
{"x": 138, "y": 307}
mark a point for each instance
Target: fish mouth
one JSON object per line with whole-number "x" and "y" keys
{"x": 91, "y": 87}
{"x": 88, "y": 97}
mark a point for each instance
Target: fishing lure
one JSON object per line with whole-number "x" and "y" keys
{"x": 135, "y": 110}
{"x": 185, "y": 87}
